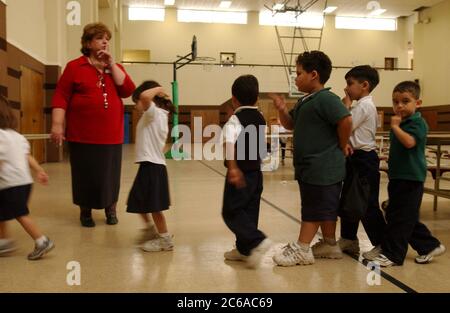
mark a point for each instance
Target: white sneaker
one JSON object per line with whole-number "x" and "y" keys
{"x": 7, "y": 246}
{"x": 383, "y": 261}
{"x": 40, "y": 251}
{"x": 349, "y": 246}
{"x": 325, "y": 250}
{"x": 427, "y": 258}
{"x": 292, "y": 254}
{"x": 372, "y": 254}
{"x": 158, "y": 244}
{"x": 257, "y": 253}
{"x": 147, "y": 234}
{"x": 234, "y": 255}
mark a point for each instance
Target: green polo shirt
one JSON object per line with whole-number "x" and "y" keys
{"x": 318, "y": 160}
{"x": 409, "y": 164}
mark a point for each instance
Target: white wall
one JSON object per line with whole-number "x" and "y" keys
{"x": 257, "y": 45}
{"x": 89, "y": 14}
{"x": 26, "y": 27}
{"x": 432, "y": 54}
{"x": 55, "y": 15}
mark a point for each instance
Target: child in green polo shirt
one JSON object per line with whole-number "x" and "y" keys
{"x": 407, "y": 173}
{"x": 322, "y": 127}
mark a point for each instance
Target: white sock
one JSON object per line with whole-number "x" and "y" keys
{"x": 303, "y": 246}
{"x": 330, "y": 241}
{"x": 41, "y": 240}
{"x": 165, "y": 235}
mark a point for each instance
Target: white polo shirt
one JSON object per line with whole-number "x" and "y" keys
{"x": 14, "y": 167}
{"x": 151, "y": 135}
{"x": 365, "y": 118}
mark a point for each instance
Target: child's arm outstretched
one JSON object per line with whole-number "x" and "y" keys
{"x": 41, "y": 175}
{"x": 406, "y": 139}
{"x": 280, "y": 104}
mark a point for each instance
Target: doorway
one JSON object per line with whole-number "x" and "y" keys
{"x": 32, "y": 109}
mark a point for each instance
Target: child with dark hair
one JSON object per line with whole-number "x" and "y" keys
{"x": 244, "y": 137}
{"x": 322, "y": 127}
{"x": 15, "y": 184}
{"x": 361, "y": 81}
{"x": 407, "y": 171}
{"x": 150, "y": 191}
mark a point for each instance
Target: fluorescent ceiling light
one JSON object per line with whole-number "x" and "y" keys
{"x": 225, "y": 4}
{"x": 169, "y": 2}
{"x": 146, "y": 14}
{"x": 367, "y": 23}
{"x": 278, "y": 6}
{"x": 377, "y": 12}
{"x": 330, "y": 9}
{"x": 225, "y": 17}
{"x": 307, "y": 20}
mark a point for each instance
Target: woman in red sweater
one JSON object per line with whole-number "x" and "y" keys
{"x": 88, "y": 112}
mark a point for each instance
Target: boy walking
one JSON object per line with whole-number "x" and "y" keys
{"x": 407, "y": 173}
{"x": 244, "y": 136}
{"x": 361, "y": 81}
{"x": 322, "y": 127}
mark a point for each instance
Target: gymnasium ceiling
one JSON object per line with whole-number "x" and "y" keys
{"x": 394, "y": 8}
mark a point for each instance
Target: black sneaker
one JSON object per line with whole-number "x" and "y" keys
{"x": 39, "y": 251}
{"x": 111, "y": 219}
{"x": 87, "y": 222}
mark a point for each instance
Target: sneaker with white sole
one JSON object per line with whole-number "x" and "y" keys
{"x": 7, "y": 246}
{"x": 372, "y": 254}
{"x": 383, "y": 261}
{"x": 257, "y": 253}
{"x": 234, "y": 255}
{"x": 159, "y": 244}
{"x": 292, "y": 255}
{"x": 324, "y": 250}
{"x": 349, "y": 246}
{"x": 147, "y": 234}
{"x": 40, "y": 251}
{"x": 427, "y": 258}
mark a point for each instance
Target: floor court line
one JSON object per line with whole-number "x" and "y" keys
{"x": 386, "y": 276}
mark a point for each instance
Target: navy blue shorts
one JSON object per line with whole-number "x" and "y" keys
{"x": 320, "y": 203}
{"x": 14, "y": 202}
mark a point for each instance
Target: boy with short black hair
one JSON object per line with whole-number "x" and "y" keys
{"x": 322, "y": 127}
{"x": 244, "y": 136}
{"x": 361, "y": 81}
{"x": 407, "y": 170}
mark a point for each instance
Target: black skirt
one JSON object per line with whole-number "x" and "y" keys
{"x": 95, "y": 174}
{"x": 14, "y": 202}
{"x": 150, "y": 191}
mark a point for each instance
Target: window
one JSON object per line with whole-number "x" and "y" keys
{"x": 227, "y": 59}
{"x": 307, "y": 20}
{"x": 390, "y": 64}
{"x": 146, "y": 14}
{"x": 227, "y": 17}
{"x": 345, "y": 22}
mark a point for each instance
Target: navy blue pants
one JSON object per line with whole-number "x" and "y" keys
{"x": 368, "y": 165}
{"x": 403, "y": 226}
{"x": 240, "y": 211}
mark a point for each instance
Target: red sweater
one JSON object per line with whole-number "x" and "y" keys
{"x": 78, "y": 92}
